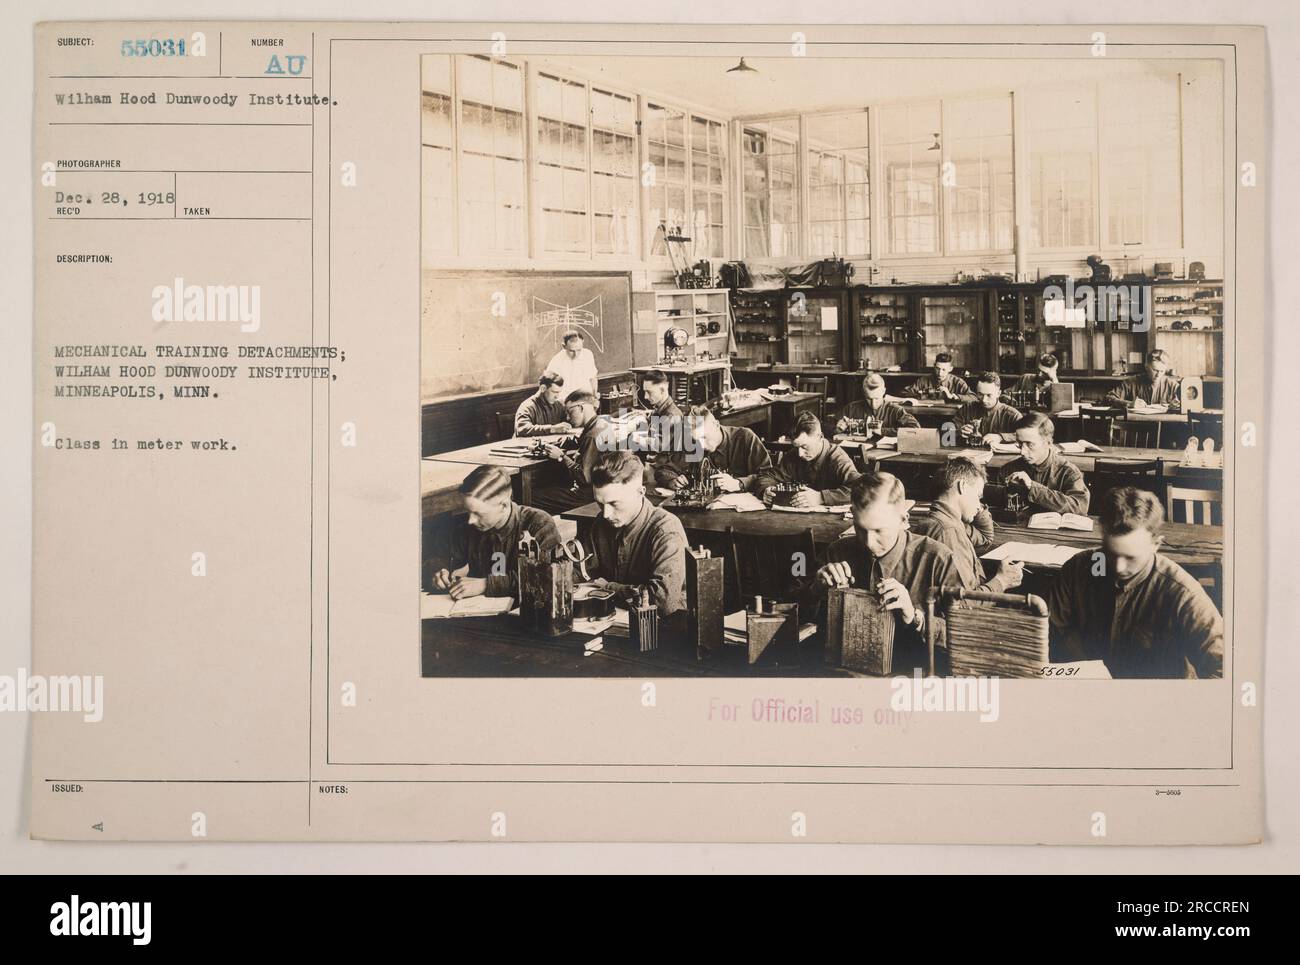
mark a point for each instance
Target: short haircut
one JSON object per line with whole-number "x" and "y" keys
{"x": 654, "y": 377}
{"x": 616, "y": 467}
{"x": 806, "y": 423}
{"x": 700, "y": 411}
{"x": 1047, "y": 361}
{"x": 943, "y": 358}
{"x": 877, "y": 485}
{"x": 1159, "y": 355}
{"x": 1127, "y": 508}
{"x": 571, "y": 334}
{"x": 485, "y": 482}
{"x": 989, "y": 378}
{"x": 580, "y": 395}
{"x": 957, "y": 470}
{"x": 873, "y": 381}
{"x": 1039, "y": 421}
{"x": 551, "y": 378}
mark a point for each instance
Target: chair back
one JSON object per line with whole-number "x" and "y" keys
{"x": 1134, "y": 435}
{"x": 764, "y": 563}
{"x": 1095, "y": 425}
{"x": 1181, "y": 506}
{"x": 505, "y": 426}
{"x": 1206, "y": 425}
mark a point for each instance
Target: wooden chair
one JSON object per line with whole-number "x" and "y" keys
{"x": 1210, "y": 501}
{"x": 1095, "y": 426}
{"x": 989, "y": 634}
{"x": 819, "y": 384}
{"x": 505, "y": 426}
{"x": 1134, "y": 435}
{"x": 764, "y": 563}
{"x": 1145, "y": 474}
{"x": 1206, "y": 425}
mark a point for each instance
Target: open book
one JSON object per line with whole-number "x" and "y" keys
{"x": 1080, "y": 447}
{"x": 844, "y": 508}
{"x": 1005, "y": 448}
{"x": 977, "y": 456}
{"x": 1045, "y": 554}
{"x": 437, "y": 606}
{"x": 1147, "y": 409}
{"x": 1060, "y": 521}
{"x": 740, "y": 502}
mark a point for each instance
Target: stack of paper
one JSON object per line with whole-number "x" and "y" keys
{"x": 1045, "y": 554}
{"x": 740, "y": 502}
{"x": 1005, "y": 448}
{"x": 1145, "y": 409}
{"x": 844, "y": 508}
{"x": 977, "y": 456}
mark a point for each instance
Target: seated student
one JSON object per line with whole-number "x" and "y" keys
{"x": 1033, "y": 386}
{"x": 947, "y": 385}
{"x": 1137, "y": 611}
{"x": 734, "y": 455}
{"x": 664, "y": 413}
{"x": 884, "y": 557}
{"x": 542, "y": 413}
{"x": 823, "y": 468}
{"x": 635, "y": 543}
{"x": 890, "y": 415}
{"x": 1151, "y": 385}
{"x": 594, "y": 435}
{"x": 959, "y": 521}
{"x": 988, "y": 418}
{"x": 1049, "y": 481}
{"x": 486, "y": 556}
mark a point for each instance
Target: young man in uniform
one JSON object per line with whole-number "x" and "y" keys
{"x": 1047, "y": 479}
{"x": 821, "y": 467}
{"x": 733, "y": 456}
{"x": 903, "y": 568}
{"x": 949, "y": 387}
{"x": 1137, "y": 611}
{"x": 988, "y": 419}
{"x": 890, "y": 415}
{"x": 959, "y": 521}
{"x": 1152, "y": 385}
{"x": 542, "y": 413}
{"x": 635, "y": 543}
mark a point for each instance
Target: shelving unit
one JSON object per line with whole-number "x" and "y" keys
{"x": 758, "y": 317}
{"x": 1197, "y": 350}
{"x": 704, "y": 313}
{"x": 885, "y": 330}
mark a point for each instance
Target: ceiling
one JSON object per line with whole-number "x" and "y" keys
{"x": 808, "y": 83}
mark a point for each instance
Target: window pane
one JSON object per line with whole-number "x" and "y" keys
{"x": 1062, "y": 126}
{"x": 563, "y": 169}
{"x": 981, "y": 195}
{"x": 911, "y": 155}
{"x": 1141, "y": 164}
{"x": 770, "y": 167}
{"x": 493, "y": 218}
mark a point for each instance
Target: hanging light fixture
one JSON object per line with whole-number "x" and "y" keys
{"x": 935, "y": 146}
{"x": 742, "y": 68}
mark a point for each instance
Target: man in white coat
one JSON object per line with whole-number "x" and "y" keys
{"x": 576, "y": 364}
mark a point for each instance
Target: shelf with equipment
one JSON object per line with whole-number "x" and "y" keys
{"x": 886, "y": 335}
{"x": 816, "y": 323}
{"x": 1187, "y": 322}
{"x": 704, "y": 314}
{"x": 758, "y": 319}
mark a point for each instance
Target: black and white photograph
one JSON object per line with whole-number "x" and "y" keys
{"x": 781, "y": 366}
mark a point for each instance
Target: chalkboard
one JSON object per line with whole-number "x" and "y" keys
{"x": 485, "y": 330}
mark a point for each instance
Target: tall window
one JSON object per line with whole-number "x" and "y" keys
{"x": 838, "y": 190}
{"x": 562, "y": 167}
{"x": 911, "y": 154}
{"x": 1141, "y": 161}
{"x": 771, "y": 188}
{"x": 665, "y": 129}
{"x": 493, "y": 215}
{"x": 708, "y": 191}
{"x": 980, "y": 194}
{"x": 613, "y": 172}
{"x": 1062, "y": 126}
{"x": 437, "y": 192}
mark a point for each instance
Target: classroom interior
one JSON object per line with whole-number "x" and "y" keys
{"x": 768, "y": 232}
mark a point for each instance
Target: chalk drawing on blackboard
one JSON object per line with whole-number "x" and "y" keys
{"x": 554, "y": 320}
